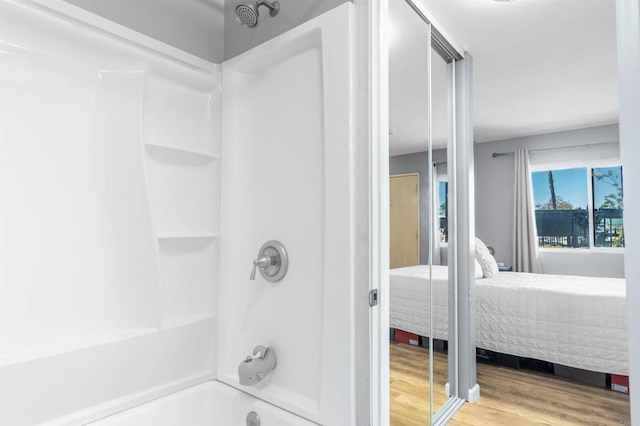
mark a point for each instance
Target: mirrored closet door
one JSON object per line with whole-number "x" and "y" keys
{"x": 430, "y": 216}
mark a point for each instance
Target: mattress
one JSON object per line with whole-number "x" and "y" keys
{"x": 579, "y": 322}
{"x": 409, "y": 305}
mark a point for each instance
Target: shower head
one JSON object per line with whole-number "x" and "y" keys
{"x": 248, "y": 13}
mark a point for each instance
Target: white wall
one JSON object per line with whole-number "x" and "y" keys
{"x": 628, "y": 26}
{"x": 238, "y": 39}
{"x": 494, "y": 198}
{"x": 195, "y": 26}
{"x": 590, "y": 263}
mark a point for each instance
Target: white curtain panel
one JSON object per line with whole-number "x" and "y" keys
{"x": 525, "y": 241}
{"x": 435, "y": 210}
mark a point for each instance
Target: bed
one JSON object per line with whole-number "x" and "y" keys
{"x": 579, "y": 322}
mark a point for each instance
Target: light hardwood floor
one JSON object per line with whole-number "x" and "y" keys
{"x": 507, "y": 396}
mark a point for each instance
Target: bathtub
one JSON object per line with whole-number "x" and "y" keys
{"x": 208, "y": 404}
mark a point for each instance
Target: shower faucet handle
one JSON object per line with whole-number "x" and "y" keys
{"x": 272, "y": 261}
{"x": 261, "y": 262}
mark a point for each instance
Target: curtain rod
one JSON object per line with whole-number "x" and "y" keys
{"x": 500, "y": 154}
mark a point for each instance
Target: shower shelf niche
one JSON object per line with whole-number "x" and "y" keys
{"x": 184, "y": 192}
{"x": 181, "y": 114}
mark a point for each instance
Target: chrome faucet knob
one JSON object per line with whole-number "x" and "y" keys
{"x": 272, "y": 261}
{"x": 261, "y": 262}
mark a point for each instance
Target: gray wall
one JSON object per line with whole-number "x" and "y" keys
{"x": 418, "y": 163}
{"x": 494, "y": 200}
{"x": 238, "y": 39}
{"x": 195, "y": 26}
{"x": 205, "y": 28}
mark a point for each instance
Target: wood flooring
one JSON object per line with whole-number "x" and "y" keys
{"x": 507, "y": 396}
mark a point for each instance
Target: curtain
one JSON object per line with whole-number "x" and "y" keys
{"x": 525, "y": 241}
{"x": 435, "y": 215}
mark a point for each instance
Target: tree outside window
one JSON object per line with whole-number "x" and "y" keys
{"x": 607, "y": 196}
{"x": 562, "y": 211}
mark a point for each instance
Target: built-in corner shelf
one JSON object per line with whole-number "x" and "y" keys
{"x": 180, "y": 151}
{"x": 184, "y": 191}
{"x": 183, "y": 182}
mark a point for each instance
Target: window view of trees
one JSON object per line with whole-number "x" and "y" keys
{"x": 563, "y": 211}
{"x": 562, "y": 214}
{"x": 443, "y": 186}
{"x": 607, "y": 195}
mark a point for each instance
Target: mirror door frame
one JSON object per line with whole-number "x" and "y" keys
{"x": 372, "y": 270}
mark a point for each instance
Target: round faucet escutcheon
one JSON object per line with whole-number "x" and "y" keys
{"x": 272, "y": 262}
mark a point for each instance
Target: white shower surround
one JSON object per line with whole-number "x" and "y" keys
{"x": 110, "y": 215}
{"x": 288, "y": 144}
{"x": 111, "y": 208}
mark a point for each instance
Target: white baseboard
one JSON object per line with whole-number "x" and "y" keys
{"x": 474, "y": 393}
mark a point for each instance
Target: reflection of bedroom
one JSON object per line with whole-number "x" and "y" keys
{"x": 550, "y": 304}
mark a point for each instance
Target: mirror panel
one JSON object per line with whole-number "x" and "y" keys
{"x": 418, "y": 374}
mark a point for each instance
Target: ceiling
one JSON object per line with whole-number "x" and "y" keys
{"x": 540, "y": 66}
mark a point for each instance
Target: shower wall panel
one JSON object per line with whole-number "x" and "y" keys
{"x": 288, "y": 176}
{"x": 109, "y": 191}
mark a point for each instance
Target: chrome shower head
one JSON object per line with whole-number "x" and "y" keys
{"x": 248, "y": 13}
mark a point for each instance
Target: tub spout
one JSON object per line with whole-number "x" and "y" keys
{"x": 255, "y": 368}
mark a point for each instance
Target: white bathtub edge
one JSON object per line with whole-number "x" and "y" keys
{"x": 208, "y": 403}
{"x": 110, "y": 408}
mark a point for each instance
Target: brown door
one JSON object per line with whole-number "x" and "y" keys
{"x": 404, "y": 197}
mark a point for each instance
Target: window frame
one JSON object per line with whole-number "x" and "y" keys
{"x": 589, "y": 165}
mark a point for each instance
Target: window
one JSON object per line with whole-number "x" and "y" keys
{"x": 443, "y": 187}
{"x": 607, "y": 212}
{"x": 579, "y": 207}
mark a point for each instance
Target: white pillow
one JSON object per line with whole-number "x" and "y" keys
{"x": 479, "y": 273}
{"x": 486, "y": 260}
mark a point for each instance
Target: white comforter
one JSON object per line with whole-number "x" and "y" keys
{"x": 409, "y": 300}
{"x": 575, "y": 321}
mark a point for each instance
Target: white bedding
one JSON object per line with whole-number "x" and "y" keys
{"x": 409, "y": 300}
{"x": 575, "y": 321}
